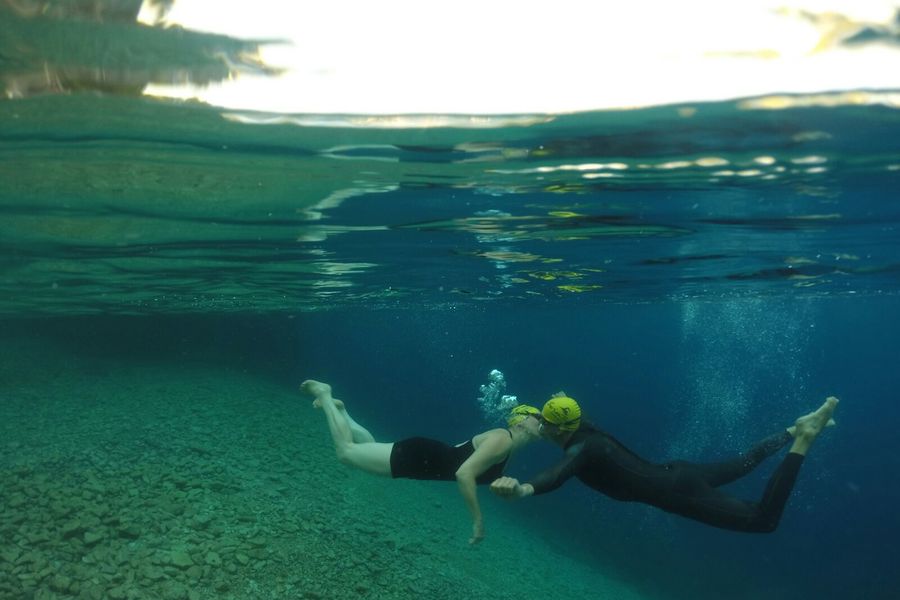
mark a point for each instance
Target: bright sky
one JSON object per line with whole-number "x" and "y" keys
{"x": 499, "y": 56}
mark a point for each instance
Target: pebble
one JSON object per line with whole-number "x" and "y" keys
{"x": 130, "y": 532}
{"x": 117, "y": 593}
{"x": 153, "y": 573}
{"x": 174, "y": 590}
{"x": 72, "y": 529}
{"x": 44, "y": 594}
{"x": 194, "y": 572}
{"x": 60, "y": 583}
{"x": 10, "y": 555}
{"x": 181, "y": 559}
{"x": 92, "y": 537}
{"x": 91, "y": 591}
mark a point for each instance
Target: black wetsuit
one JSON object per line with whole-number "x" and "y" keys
{"x": 424, "y": 458}
{"x": 687, "y": 489}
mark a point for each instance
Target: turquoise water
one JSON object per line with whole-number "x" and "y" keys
{"x": 134, "y": 206}
{"x": 696, "y": 275}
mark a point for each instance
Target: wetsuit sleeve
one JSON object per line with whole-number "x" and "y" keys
{"x": 552, "y": 478}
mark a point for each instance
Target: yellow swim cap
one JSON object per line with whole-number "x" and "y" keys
{"x": 563, "y": 412}
{"x": 520, "y": 413}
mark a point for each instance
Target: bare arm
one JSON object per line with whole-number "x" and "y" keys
{"x": 491, "y": 451}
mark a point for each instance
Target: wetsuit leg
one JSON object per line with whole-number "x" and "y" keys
{"x": 720, "y": 473}
{"x": 693, "y": 497}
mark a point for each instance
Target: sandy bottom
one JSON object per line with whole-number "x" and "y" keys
{"x": 126, "y": 479}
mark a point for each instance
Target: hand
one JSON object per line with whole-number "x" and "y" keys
{"x": 477, "y": 533}
{"x": 506, "y": 487}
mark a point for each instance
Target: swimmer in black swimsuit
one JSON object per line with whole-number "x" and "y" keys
{"x": 687, "y": 489}
{"x": 478, "y": 461}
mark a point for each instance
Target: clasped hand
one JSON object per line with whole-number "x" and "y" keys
{"x": 506, "y": 487}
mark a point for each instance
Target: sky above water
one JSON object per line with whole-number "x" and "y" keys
{"x": 525, "y": 57}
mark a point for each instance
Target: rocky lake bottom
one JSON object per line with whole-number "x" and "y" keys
{"x": 140, "y": 479}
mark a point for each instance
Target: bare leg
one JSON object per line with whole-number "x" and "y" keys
{"x": 371, "y": 457}
{"x": 340, "y": 428}
{"x": 360, "y": 433}
{"x": 808, "y": 427}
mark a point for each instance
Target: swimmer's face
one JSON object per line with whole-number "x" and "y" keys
{"x": 532, "y": 425}
{"x": 553, "y": 433}
{"x": 548, "y": 429}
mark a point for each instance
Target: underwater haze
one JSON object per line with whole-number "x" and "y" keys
{"x": 696, "y": 275}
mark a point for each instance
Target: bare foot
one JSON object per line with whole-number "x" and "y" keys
{"x": 811, "y": 425}
{"x": 315, "y": 388}
{"x": 808, "y": 427}
{"x": 793, "y": 428}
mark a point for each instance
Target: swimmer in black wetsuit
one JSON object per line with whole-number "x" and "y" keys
{"x": 687, "y": 489}
{"x": 477, "y": 461}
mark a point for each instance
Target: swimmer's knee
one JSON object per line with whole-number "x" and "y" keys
{"x": 770, "y": 527}
{"x": 765, "y": 526}
{"x": 344, "y": 453}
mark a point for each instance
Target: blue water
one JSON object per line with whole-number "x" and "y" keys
{"x": 665, "y": 385}
{"x": 638, "y": 376}
{"x": 717, "y": 276}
